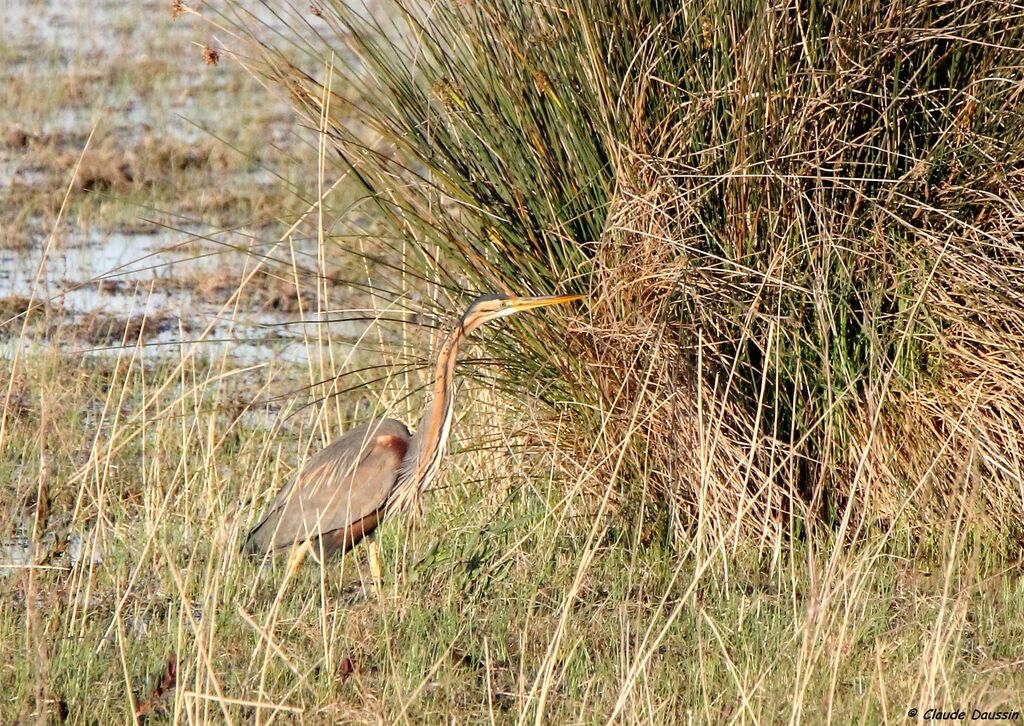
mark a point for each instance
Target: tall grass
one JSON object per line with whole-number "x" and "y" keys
{"x": 797, "y": 224}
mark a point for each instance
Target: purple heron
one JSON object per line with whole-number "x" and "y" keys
{"x": 379, "y": 468}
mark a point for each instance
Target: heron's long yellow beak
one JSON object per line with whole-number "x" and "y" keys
{"x": 529, "y": 303}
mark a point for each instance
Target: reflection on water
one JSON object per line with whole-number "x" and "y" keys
{"x": 174, "y": 289}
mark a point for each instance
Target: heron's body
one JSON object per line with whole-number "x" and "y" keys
{"x": 340, "y": 495}
{"x": 346, "y": 489}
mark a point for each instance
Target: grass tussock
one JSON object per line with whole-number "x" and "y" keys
{"x": 797, "y": 226}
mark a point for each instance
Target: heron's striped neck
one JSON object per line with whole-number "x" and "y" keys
{"x": 421, "y": 470}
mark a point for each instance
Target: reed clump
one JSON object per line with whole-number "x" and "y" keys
{"x": 799, "y": 226}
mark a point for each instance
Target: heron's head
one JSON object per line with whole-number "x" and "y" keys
{"x": 491, "y": 307}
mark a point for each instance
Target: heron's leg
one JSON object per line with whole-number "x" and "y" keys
{"x": 373, "y": 554}
{"x": 296, "y": 557}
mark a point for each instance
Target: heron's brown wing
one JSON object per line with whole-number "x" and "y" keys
{"x": 346, "y": 538}
{"x": 338, "y": 489}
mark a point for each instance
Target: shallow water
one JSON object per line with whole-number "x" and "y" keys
{"x": 124, "y": 276}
